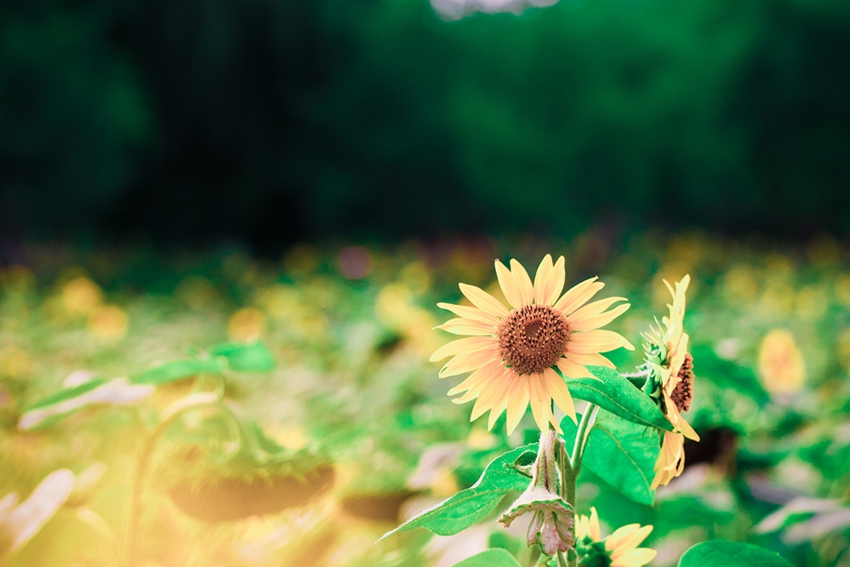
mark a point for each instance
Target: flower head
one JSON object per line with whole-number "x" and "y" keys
{"x": 513, "y": 352}
{"x": 620, "y": 549}
{"x": 671, "y": 382}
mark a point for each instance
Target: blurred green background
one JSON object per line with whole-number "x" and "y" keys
{"x": 270, "y": 122}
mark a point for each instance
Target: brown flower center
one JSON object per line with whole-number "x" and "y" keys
{"x": 683, "y": 393}
{"x": 533, "y": 338}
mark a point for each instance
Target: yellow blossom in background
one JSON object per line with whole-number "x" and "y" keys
{"x": 621, "y": 547}
{"x": 246, "y": 324}
{"x": 812, "y": 302}
{"x": 395, "y": 308}
{"x": 288, "y": 306}
{"x": 416, "y": 277}
{"x": 108, "y": 322}
{"x": 80, "y": 296}
{"x": 512, "y": 353}
{"x": 741, "y": 282}
{"x": 779, "y": 297}
{"x": 15, "y": 364}
{"x": 781, "y": 366}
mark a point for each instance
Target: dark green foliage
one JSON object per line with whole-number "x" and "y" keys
{"x": 276, "y": 121}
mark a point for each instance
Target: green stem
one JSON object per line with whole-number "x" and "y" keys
{"x": 127, "y": 553}
{"x": 572, "y": 466}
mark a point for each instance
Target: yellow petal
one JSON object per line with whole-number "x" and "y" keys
{"x": 555, "y": 285}
{"x": 461, "y": 326}
{"x": 632, "y": 541}
{"x": 491, "y": 393}
{"x": 472, "y": 313}
{"x": 539, "y": 402}
{"x": 466, "y": 362}
{"x": 480, "y": 376}
{"x": 590, "y": 342}
{"x": 523, "y": 282}
{"x": 599, "y": 320}
{"x": 595, "y": 532}
{"x": 635, "y": 558}
{"x": 499, "y": 407}
{"x": 541, "y": 279}
{"x": 470, "y": 344}
{"x": 578, "y": 295}
{"x": 591, "y": 310}
{"x": 593, "y": 359}
{"x": 620, "y": 535}
{"x": 483, "y": 300}
{"x": 560, "y": 393}
{"x": 507, "y": 282}
{"x": 517, "y": 403}
{"x": 573, "y": 370}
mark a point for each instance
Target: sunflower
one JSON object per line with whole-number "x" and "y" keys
{"x": 513, "y": 353}
{"x": 620, "y": 549}
{"x": 672, "y": 369}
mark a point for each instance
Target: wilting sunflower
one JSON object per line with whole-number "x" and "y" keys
{"x": 513, "y": 352}
{"x": 672, "y": 371}
{"x": 620, "y": 549}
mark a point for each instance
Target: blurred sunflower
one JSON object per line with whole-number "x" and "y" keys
{"x": 672, "y": 371}
{"x": 513, "y": 353}
{"x": 620, "y": 549}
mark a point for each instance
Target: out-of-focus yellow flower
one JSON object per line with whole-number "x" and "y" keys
{"x": 480, "y": 438}
{"x": 444, "y": 483}
{"x": 80, "y": 296}
{"x": 246, "y": 324}
{"x": 741, "y": 282}
{"x": 15, "y": 364}
{"x": 108, "y": 322}
{"x": 416, "y": 277}
{"x": 290, "y": 307}
{"x": 842, "y": 289}
{"x": 395, "y": 308}
{"x": 781, "y": 366}
{"x": 512, "y": 352}
{"x": 812, "y": 302}
{"x": 779, "y": 297}
{"x": 620, "y": 549}
{"x": 844, "y": 348}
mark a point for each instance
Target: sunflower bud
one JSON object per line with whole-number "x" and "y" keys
{"x": 551, "y": 524}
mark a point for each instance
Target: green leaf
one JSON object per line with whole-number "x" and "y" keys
{"x": 53, "y": 408}
{"x": 730, "y": 554}
{"x": 619, "y": 396}
{"x": 621, "y": 453}
{"x": 253, "y": 357}
{"x": 178, "y": 370}
{"x": 472, "y": 505}
{"x": 490, "y": 558}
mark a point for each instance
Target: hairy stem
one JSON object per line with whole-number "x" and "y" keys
{"x": 127, "y": 553}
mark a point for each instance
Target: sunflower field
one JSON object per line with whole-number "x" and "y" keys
{"x": 220, "y": 409}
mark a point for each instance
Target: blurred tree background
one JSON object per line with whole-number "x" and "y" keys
{"x": 269, "y": 121}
